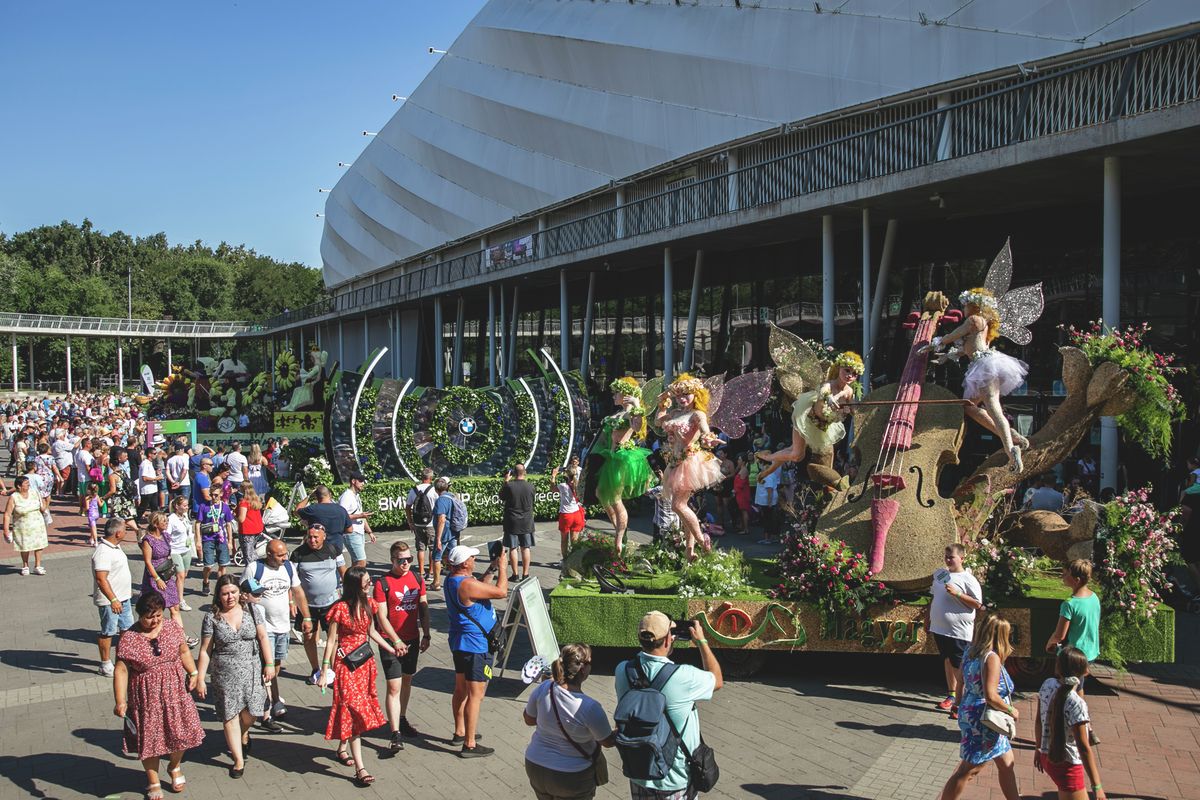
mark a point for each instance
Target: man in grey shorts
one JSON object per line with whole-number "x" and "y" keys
{"x": 419, "y": 510}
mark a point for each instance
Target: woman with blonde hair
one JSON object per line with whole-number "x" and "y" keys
{"x": 691, "y": 465}
{"x": 256, "y": 470}
{"x": 249, "y": 520}
{"x": 563, "y": 759}
{"x": 986, "y": 684}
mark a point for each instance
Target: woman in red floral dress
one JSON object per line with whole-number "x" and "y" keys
{"x": 355, "y": 708}
{"x": 153, "y": 676}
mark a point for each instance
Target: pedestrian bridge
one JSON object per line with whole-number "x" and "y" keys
{"x": 115, "y": 327}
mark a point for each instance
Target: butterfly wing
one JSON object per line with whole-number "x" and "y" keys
{"x": 716, "y": 391}
{"x": 999, "y": 274}
{"x": 800, "y": 367}
{"x": 1018, "y": 309}
{"x": 743, "y": 396}
{"x": 651, "y": 389}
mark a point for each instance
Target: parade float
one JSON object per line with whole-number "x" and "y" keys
{"x": 856, "y": 567}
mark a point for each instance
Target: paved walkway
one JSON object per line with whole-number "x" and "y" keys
{"x": 808, "y": 726}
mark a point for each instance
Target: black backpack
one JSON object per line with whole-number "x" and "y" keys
{"x": 422, "y": 509}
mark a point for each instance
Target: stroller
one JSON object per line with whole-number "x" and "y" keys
{"x": 275, "y": 521}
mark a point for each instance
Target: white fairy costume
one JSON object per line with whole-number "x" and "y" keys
{"x": 993, "y": 368}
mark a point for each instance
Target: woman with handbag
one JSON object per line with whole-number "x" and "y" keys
{"x": 355, "y": 709}
{"x": 24, "y": 525}
{"x": 563, "y": 759}
{"x": 986, "y": 716}
{"x": 159, "y": 573}
{"x": 233, "y": 641}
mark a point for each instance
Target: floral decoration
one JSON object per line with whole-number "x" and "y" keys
{"x": 716, "y": 573}
{"x": 368, "y": 459}
{"x": 451, "y": 408}
{"x": 1002, "y": 568}
{"x": 1134, "y": 545}
{"x": 827, "y": 573}
{"x": 287, "y": 370}
{"x": 1158, "y": 407}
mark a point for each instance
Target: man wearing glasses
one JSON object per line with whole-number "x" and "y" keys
{"x": 402, "y": 602}
{"x": 319, "y": 566}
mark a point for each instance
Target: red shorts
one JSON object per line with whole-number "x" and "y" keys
{"x": 1068, "y": 777}
{"x": 572, "y": 523}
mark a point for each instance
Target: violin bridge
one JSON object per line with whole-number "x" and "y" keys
{"x": 883, "y": 481}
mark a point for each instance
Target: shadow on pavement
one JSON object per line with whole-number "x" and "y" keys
{"x": 72, "y": 772}
{"x": 84, "y": 635}
{"x": 784, "y": 791}
{"x": 52, "y": 661}
{"x": 929, "y": 732}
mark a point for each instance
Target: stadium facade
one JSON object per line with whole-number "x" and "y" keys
{"x": 664, "y": 177}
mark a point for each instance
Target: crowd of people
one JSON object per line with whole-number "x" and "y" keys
{"x": 191, "y": 505}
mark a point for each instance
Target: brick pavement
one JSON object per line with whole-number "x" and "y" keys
{"x": 809, "y": 726}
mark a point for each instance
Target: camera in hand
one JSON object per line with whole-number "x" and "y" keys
{"x": 682, "y": 629}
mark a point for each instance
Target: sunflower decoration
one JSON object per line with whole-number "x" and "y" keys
{"x": 287, "y": 370}
{"x": 175, "y": 386}
{"x": 255, "y": 389}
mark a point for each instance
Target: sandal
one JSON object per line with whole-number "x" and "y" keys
{"x": 362, "y": 778}
{"x": 154, "y": 792}
{"x": 178, "y": 782}
{"x": 344, "y": 758}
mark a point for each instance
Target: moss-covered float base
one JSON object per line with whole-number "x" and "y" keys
{"x": 581, "y": 614}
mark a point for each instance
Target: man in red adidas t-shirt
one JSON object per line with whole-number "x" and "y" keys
{"x": 401, "y": 598}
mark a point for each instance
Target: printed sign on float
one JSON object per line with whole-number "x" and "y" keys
{"x": 299, "y": 421}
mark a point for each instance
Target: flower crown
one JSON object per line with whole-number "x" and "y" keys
{"x": 850, "y": 360}
{"x": 685, "y": 384}
{"x": 981, "y": 298}
{"x": 626, "y": 385}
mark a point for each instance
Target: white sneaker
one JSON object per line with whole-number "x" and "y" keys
{"x": 40, "y": 570}
{"x": 24, "y": 571}
{"x": 107, "y": 669}
{"x": 184, "y": 606}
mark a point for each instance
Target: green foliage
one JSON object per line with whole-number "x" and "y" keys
{"x": 457, "y": 402}
{"x": 601, "y": 549}
{"x": 76, "y": 270}
{"x": 368, "y": 460}
{"x": 1135, "y": 543}
{"x": 716, "y": 573}
{"x": 828, "y": 574}
{"x": 1158, "y": 406}
{"x": 664, "y": 555}
{"x": 1002, "y": 568}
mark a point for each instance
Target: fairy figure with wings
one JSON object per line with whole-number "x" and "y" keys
{"x": 991, "y": 311}
{"x": 624, "y": 473}
{"x": 685, "y": 411}
{"x": 824, "y": 391}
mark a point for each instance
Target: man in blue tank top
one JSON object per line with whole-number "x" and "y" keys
{"x": 469, "y": 607}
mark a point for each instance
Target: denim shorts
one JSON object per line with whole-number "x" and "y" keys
{"x": 279, "y": 645}
{"x": 216, "y": 552}
{"x": 356, "y": 544}
{"x": 112, "y": 623}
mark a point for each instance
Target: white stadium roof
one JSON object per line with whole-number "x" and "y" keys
{"x": 541, "y": 100}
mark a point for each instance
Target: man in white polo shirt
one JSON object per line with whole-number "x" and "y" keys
{"x": 113, "y": 590}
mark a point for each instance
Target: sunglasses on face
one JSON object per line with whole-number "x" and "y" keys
{"x": 403, "y": 560}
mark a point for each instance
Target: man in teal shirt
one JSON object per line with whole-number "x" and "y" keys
{"x": 681, "y": 692}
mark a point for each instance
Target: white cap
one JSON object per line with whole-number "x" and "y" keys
{"x": 460, "y": 554}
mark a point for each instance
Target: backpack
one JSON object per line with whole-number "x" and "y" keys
{"x": 261, "y": 565}
{"x": 422, "y": 509}
{"x": 646, "y": 739}
{"x": 458, "y": 514}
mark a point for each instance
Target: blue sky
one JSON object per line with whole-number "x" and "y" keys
{"x": 210, "y": 120}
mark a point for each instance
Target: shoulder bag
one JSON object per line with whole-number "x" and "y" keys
{"x": 993, "y": 718}
{"x": 492, "y": 635}
{"x": 599, "y": 762}
{"x": 358, "y": 656}
{"x": 703, "y": 772}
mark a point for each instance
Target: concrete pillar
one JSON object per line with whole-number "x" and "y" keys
{"x": 120, "y": 367}
{"x": 271, "y": 366}
{"x": 170, "y": 362}
{"x": 366, "y": 340}
{"x": 501, "y": 336}
{"x": 491, "y": 334}
{"x": 668, "y": 317}
{"x": 564, "y": 329}
{"x": 510, "y": 361}
{"x": 70, "y": 383}
{"x": 827, "y": 279}
{"x": 16, "y": 381}
{"x": 689, "y": 344}
{"x": 341, "y": 347}
{"x": 866, "y": 293}
{"x": 589, "y": 318}
{"x": 881, "y": 284}
{"x": 439, "y": 352}
{"x": 456, "y": 371}
{"x": 620, "y": 212}
{"x": 731, "y": 169}
{"x": 1111, "y": 303}
{"x": 32, "y": 379}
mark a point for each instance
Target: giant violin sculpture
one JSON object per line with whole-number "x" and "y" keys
{"x": 905, "y": 433}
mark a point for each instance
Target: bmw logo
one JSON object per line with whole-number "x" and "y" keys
{"x": 466, "y": 426}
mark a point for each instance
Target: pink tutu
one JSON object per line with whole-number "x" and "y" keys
{"x": 699, "y": 470}
{"x": 991, "y": 367}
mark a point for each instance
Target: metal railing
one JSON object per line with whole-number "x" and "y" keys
{"x": 808, "y": 158}
{"x": 33, "y": 324}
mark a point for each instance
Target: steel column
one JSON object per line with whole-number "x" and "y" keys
{"x": 70, "y": 383}
{"x": 564, "y": 331}
{"x": 827, "y": 279}
{"x": 366, "y": 340}
{"x": 170, "y": 362}
{"x": 1111, "y": 303}
{"x": 272, "y": 345}
{"x": 589, "y": 318}
{"x": 668, "y": 317}
{"x": 456, "y": 369}
{"x": 865, "y": 310}
{"x": 881, "y": 284}
{"x": 341, "y": 347}
{"x": 32, "y": 379}
{"x": 501, "y": 335}
{"x": 120, "y": 368}
{"x": 16, "y": 382}
{"x": 510, "y": 361}
{"x": 439, "y": 352}
{"x": 491, "y": 334}
{"x": 689, "y": 344}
